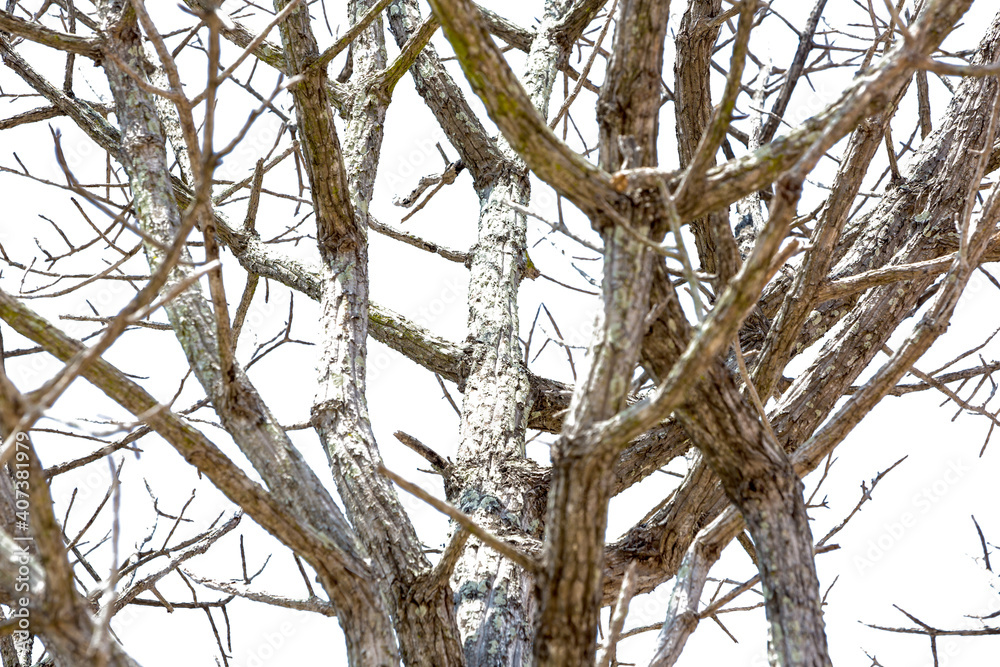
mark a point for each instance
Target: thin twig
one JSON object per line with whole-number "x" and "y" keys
{"x": 464, "y": 520}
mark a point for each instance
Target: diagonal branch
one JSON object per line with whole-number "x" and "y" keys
{"x": 466, "y": 522}
{"x": 510, "y": 107}
{"x": 83, "y": 46}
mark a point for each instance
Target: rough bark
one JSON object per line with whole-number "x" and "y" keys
{"x": 496, "y": 602}
{"x": 341, "y": 187}
{"x": 236, "y": 401}
{"x": 660, "y": 544}
{"x": 576, "y": 519}
{"x": 477, "y": 607}
{"x": 695, "y": 44}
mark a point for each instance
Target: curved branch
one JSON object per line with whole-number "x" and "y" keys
{"x": 83, "y": 46}
{"x": 510, "y": 107}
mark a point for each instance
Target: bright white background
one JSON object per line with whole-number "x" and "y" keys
{"x": 914, "y": 545}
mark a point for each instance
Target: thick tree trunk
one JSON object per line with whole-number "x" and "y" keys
{"x": 422, "y": 611}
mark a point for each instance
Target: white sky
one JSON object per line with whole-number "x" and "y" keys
{"x": 914, "y": 545}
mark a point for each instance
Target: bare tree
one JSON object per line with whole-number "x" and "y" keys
{"x": 713, "y": 277}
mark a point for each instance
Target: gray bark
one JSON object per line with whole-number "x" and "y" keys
{"x": 539, "y": 604}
